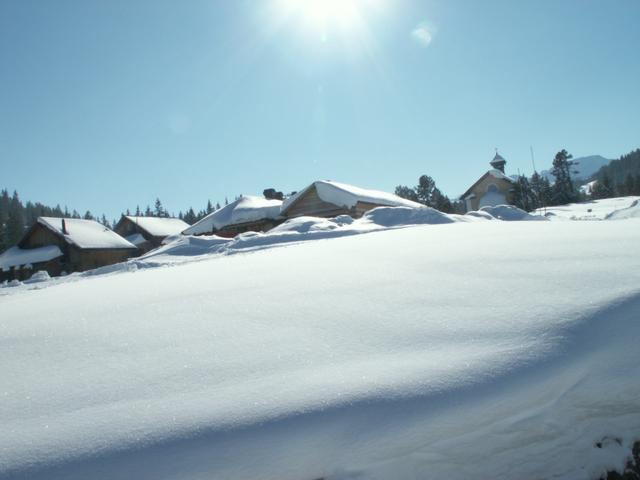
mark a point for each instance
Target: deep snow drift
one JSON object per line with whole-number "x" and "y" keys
{"x": 471, "y": 348}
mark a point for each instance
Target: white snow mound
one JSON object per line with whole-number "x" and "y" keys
{"x": 509, "y": 213}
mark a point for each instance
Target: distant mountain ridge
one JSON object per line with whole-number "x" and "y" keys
{"x": 584, "y": 168}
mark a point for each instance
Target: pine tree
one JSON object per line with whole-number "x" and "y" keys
{"x": 523, "y": 194}
{"x": 138, "y": 213}
{"x": 159, "y": 211}
{"x": 629, "y": 185}
{"x": 603, "y": 188}
{"x": 15, "y": 220}
{"x": 426, "y": 191}
{"x": 563, "y": 190}
{"x": 190, "y": 217}
{"x": 88, "y": 216}
{"x": 209, "y": 207}
{"x": 406, "y": 192}
{"x": 148, "y": 212}
{"x": 5, "y": 202}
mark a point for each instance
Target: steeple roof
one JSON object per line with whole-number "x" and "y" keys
{"x": 498, "y": 159}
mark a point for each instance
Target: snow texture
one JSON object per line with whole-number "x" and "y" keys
{"x": 160, "y": 226}
{"x": 86, "y": 233}
{"x": 245, "y": 209}
{"x": 460, "y": 347}
{"x": 344, "y": 195}
{"x": 16, "y": 257}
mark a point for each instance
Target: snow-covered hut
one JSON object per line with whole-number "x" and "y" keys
{"x": 491, "y": 189}
{"x": 19, "y": 264}
{"x": 247, "y": 214}
{"x": 147, "y": 233}
{"x": 326, "y": 198}
{"x": 64, "y": 244}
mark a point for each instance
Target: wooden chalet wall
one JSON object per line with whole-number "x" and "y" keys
{"x": 52, "y": 267}
{"x": 311, "y": 204}
{"x": 231, "y": 231}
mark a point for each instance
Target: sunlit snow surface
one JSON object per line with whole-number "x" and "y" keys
{"x": 462, "y": 349}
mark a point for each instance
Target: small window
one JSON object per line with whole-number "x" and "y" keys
{"x": 492, "y": 188}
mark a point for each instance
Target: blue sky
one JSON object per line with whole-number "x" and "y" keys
{"x": 105, "y": 105}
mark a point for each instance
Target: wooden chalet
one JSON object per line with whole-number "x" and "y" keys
{"x": 247, "y": 214}
{"x": 59, "y": 245}
{"x": 491, "y": 189}
{"x": 148, "y": 233}
{"x": 330, "y": 199}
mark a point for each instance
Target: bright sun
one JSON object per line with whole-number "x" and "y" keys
{"x": 323, "y": 16}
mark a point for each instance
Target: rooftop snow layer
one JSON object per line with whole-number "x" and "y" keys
{"x": 483, "y": 349}
{"x": 245, "y": 209}
{"x": 494, "y": 172}
{"x": 348, "y": 196}
{"x": 16, "y": 256}
{"x": 86, "y": 233}
{"x": 160, "y": 226}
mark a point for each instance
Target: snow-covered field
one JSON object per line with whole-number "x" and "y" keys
{"x": 460, "y": 347}
{"x": 593, "y": 210}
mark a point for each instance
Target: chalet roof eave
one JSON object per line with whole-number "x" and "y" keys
{"x": 465, "y": 194}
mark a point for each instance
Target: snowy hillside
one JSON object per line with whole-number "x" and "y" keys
{"x": 591, "y": 210}
{"x": 460, "y": 347}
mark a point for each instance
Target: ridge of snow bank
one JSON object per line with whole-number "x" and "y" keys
{"x": 509, "y": 213}
{"x": 184, "y": 248}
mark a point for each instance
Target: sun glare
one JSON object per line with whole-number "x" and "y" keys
{"x": 327, "y": 16}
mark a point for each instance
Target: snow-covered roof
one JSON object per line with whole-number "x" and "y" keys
{"x": 85, "y": 233}
{"x": 345, "y": 195}
{"x": 244, "y": 210}
{"x": 494, "y": 172}
{"x": 16, "y": 256}
{"x": 159, "y": 226}
{"x": 136, "y": 239}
